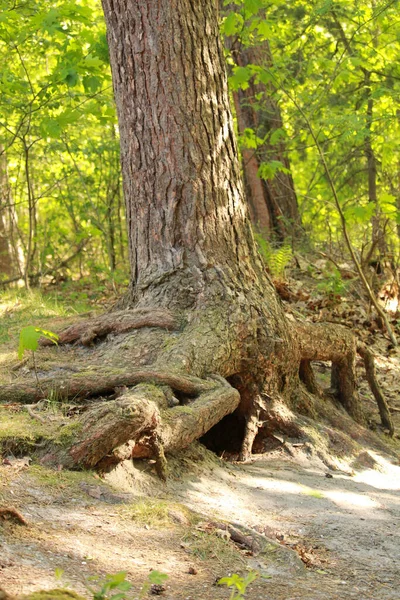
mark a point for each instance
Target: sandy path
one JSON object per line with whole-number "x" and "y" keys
{"x": 347, "y": 526}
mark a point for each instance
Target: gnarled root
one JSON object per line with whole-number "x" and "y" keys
{"x": 338, "y": 345}
{"x": 141, "y": 415}
{"x": 88, "y": 331}
{"x": 383, "y": 407}
{"x": 87, "y": 385}
{"x": 161, "y": 408}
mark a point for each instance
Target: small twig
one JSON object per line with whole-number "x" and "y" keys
{"x": 33, "y": 414}
{"x": 21, "y": 363}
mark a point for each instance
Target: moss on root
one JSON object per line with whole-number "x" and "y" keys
{"x": 21, "y": 434}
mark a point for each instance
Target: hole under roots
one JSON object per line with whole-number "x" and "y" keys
{"x": 225, "y": 436}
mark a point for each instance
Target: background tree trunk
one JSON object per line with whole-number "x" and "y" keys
{"x": 272, "y": 202}
{"x": 8, "y": 264}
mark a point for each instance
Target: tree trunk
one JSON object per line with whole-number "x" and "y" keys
{"x": 7, "y": 267}
{"x": 273, "y": 202}
{"x": 203, "y": 333}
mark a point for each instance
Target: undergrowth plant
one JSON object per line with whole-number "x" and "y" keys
{"x": 116, "y": 586}
{"x": 29, "y": 340}
{"x": 238, "y": 584}
{"x": 333, "y": 284}
{"x": 276, "y": 259}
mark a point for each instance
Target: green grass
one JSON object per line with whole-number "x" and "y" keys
{"x": 157, "y": 513}
{"x": 311, "y": 492}
{"x": 64, "y": 479}
{"x": 20, "y": 308}
{"x": 208, "y": 545}
{"x": 19, "y": 432}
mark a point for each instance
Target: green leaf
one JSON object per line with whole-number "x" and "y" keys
{"x": 91, "y": 84}
{"x": 277, "y": 135}
{"x": 252, "y": 6}
{"x": 58, "y": 573}
{"x": 268, "y": 170}
{"x": 50, "y": 128}
{"x": 157, "y": 578}
{"x": 71, "y": 78}
{"x": 360, "y": 214}
{"x": 240, "y": 78}
{"x": 93, "y": 61}
{"x": 116, "y": 579}
{"x": 232, "y": 24}
{"x": 29, "y": 338}
{"x": 264, "y": 29}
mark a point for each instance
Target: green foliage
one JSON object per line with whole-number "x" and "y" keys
{"x": 113, "y": 587}
{"x": 155, "y": 578}
{"x": 116, "y": 586}
{"x": 333, "y": 283}
{"x": 270, "y": 169}
{"x": 238, "y": 584}
{"x": 276, "y": 259}
{"x": 337, "y": 64}
{"x": 29, "y": 339}
{"x": 58, "y": 138}
{"x": 62, "y": 194}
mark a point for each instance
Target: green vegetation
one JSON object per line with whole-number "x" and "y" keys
{"x": 213, "y": 544}
{"x": 238, "y": 584}
{"x": 334, "y": 69}
{"x": 19, "y": 432}
{"x": 58, "y": 594}
{"x": 158, "y": 513}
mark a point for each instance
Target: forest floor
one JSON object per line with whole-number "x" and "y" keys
{"x": 333, "y": 532}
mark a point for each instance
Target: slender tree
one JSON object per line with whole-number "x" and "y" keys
{"x": 272, "y": 198}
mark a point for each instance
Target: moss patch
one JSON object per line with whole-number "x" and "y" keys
{"x": 20, "y": 433}
{"x": 58, "y": 594}
{"x": 159, "y": 513}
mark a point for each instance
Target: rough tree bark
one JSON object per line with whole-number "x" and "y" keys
{"x": 203, "y": 332}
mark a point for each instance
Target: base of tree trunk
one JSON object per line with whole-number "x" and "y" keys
{"x": 136, "y": 410}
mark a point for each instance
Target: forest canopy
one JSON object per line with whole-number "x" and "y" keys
{"x": 332, "y": 68}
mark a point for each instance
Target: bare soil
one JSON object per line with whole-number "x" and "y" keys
{"x": 337, "y": 535}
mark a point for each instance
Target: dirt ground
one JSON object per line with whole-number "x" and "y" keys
{"x": 336, "y": 534}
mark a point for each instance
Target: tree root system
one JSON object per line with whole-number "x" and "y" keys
{"x": 175, "y": 399}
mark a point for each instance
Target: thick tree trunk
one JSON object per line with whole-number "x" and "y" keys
{"x": 186, "y": 214}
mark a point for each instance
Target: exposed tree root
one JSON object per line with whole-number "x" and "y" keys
{"x": 161, "y": 408}
{"x": 86, "y": 332}
{"x": 86, "y": 385}
{"x": 383, "y": 407}
{"x": 338, "y": 345}
{"x": 11, "y": 514}
{"x": 142, "y": 415}
{"x": 307, "y": 376}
